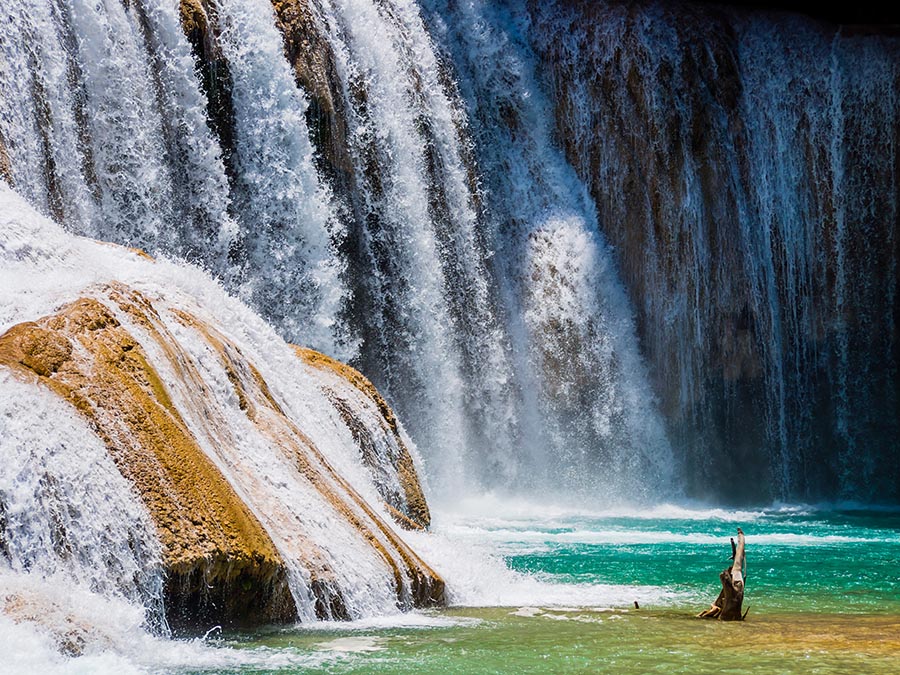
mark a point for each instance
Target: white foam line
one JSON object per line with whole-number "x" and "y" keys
{"x": 509, "y": 508}
{"x": 638, "y": 537}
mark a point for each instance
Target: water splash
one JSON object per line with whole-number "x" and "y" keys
{"x": 67, "y": 516}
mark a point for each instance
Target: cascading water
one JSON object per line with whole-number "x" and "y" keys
{"x": 68, "y": 509}
{"x": 108, "y": 132}
{"x": 465, "y": 200}
{"x": 745, "y": 169}
{"x": 433, "y": 340}
{"x": 537, "y": 382}
{"x": 289, "y": 228}
{"x": 457, "y": 256}
{"x": 68, "y": 516}
{"x": 590, "y": 418}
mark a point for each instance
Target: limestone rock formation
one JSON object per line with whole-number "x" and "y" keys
{"x": 309, "y": 52}
{"x": 384, "y": 448}
{"x": 197, "y": 21}
{"x": 227, "y": 559}
{"x": 219, "y": 557}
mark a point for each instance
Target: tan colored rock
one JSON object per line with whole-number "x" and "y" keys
{"x": 219, "y": 559}
{"x": 412, "y": 511}
{"x": 5, "y": 167}
{"x": 193, "y": 16}
{"x": 222, "y": 565}
{"x": 141, "y": 253}
{"x": 70, "y": 633}
{"x": 416, "y": 583}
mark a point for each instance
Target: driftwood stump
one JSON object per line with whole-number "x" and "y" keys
{"x": 727, "y": 606}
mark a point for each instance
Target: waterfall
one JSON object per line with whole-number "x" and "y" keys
{"x": 67, "y": 516}
{"x": 454, "y": 257}
{"x": 257, "y": 427}
{"x": 510, "y": 352}
{"x": 108, "y": 131}
{"x": 598, "y": 253}
{"x": 289, "y": 226}
{"x": 433, "y": 338}
{"x": 744, "y": 166}
{"x": 595, "y": 250}
{"x": 590, "y": 417}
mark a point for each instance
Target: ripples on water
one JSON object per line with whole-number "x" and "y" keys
{"x": 823, "y": 596}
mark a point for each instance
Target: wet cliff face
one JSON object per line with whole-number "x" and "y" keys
{"x": 311, "y": 57}
{"x": 745, "y": 169}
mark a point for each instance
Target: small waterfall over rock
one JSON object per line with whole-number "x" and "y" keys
{"x": 66, "y": 513}
{"x": 208, "y": 473}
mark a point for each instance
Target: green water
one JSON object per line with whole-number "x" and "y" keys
{"x": 823, "y": 590}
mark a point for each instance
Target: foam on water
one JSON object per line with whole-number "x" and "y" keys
{"x": 111, "y": 638}
{"x": 628, "y": 537}
{"x": 477, "y": 576}
{"x": 510, "y": 508}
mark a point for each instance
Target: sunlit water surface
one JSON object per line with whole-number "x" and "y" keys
{"x": 823, "y": 596}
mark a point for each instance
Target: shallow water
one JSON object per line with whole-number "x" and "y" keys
{"x": 823, "y": 596}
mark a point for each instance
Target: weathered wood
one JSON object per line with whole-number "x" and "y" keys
{"x": 727, "y": 606}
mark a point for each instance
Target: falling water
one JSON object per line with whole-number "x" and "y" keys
{"x": 66, "y": 513}
{"x": 434, "y": 341}
{"x": 611, "y": 251}
{"x": 590, "y": 418}
{"x": 466, "y": 200}
{"x": 456, "y": 257}
{"x": 745, "y": 168}
{"x": 108, "y": 132}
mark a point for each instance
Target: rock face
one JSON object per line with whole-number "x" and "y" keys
{"x": 383, "y": 446}
{"x": 222, "y": 561}
{"x": 738, "y": 165}
{"x": 197, "y": 17}
{"x": 311, "y": 56}
{"x": 5, "y": 172}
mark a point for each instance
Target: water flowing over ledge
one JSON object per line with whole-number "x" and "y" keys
{"x": 607, "y": 253}
{"x": 320, "y": 159}
{"x": 262, "y": 497}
